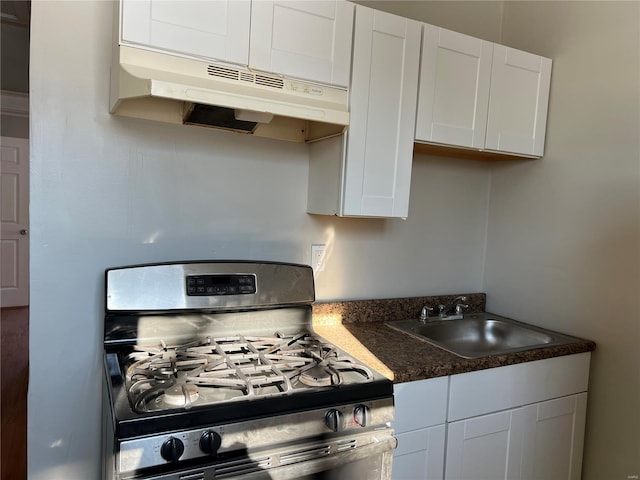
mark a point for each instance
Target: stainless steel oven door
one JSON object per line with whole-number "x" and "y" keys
{"x": 365, "y": 456}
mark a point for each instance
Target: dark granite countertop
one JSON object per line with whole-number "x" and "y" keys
{"x": 404, "y": 358}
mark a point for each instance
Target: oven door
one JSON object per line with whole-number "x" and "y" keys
{"x": 365, "y": 456}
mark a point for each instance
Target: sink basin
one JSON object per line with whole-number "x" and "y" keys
{"x": 481, "y": 334}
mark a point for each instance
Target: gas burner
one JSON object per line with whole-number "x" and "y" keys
{"x": 317, "y": 376}
{"x": 210, "y": 371}
{"x": 180, "y": 395}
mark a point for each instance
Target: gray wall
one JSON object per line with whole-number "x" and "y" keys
{"x": 564, "y": 232}
{"x": 479, "y": 18}
{"x": 109, "y": 191}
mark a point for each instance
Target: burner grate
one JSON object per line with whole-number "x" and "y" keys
{"x": 232, "y": 368}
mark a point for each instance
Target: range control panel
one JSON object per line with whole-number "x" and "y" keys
{"x": 200, "y": 285}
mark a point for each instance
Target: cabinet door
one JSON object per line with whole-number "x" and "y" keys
{"x": 306, "y": 39}
{"x": 485, "y": 448}
{"x": 453, "y": 98}
{"x": 420, "y": 404}
{"x": 384, "y": 85}
{"x": 518, "y": 102}
{"x": 553, "y": 438}
{"x": 215, "y": 29}
{"x": 420, "y": 454}
{"x": 420, "y": 412}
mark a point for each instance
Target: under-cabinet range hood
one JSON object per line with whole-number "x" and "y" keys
{"x": 158, "y": 86}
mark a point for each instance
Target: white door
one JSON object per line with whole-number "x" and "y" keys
{"x": 384, "y": 88}
{"x": 214, "y": 29}
{"x": 518, "y": 102}
{"x": 553, "y": 438}
{"x": 420, "y": 454}
{"x": 485, "y": 448}
{"x": 453, "y": 97}
{"x": 14, "y": 212}
{"x": 306, "y": 39}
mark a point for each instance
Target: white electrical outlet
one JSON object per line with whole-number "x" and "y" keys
{"x": 317, "y": 257}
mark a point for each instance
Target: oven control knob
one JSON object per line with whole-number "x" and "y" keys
{"x": 333, "y": 419}
{"x": 210, "y": 442}
{"x": 172, "y": 449}
{"x": 360, "y": 414}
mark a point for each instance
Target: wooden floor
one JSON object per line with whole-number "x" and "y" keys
{"x": 14, "y": 378}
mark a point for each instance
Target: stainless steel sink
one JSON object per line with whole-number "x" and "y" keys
{"x": 479, "y": 335}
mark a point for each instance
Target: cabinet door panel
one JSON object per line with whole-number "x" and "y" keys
{"x": 217, "y": 29}
{"x": 420, "y": 404}
{"x": 420, "y": 454}
{"x": 306, "y": 39}
{"x": 484, "y": 448}
{"x": 518, "y": 103}
{"x": 553, "y": 438}
{"x": 453, "y": 97}
{"x": 383, "y": 104}
{"x": 485, "y": 391}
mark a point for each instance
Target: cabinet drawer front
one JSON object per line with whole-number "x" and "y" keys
{"x": 420, "y": 404}
{"x": 495, "y": 389}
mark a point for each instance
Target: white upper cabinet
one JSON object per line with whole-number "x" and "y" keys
{"x": 383, "y": 96}
{"x": 367, "y": 171}
{"x": 518, "y": 102}
{"x": 216, "y": 29}
{"x": 308, "y": 39}
{"x": 479, "y": 95}
{"x": 454, "y": 88}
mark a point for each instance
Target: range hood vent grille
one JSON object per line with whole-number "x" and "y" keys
{"x": 273, "y": 82}
{"x": 246, "y": 77}
{"x": 217, "y": 71}
{"x": 239, "y": 75}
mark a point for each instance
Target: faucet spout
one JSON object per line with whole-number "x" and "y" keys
{"x": 456, "y": 306}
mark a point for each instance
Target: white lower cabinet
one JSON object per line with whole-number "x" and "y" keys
{"x": 519, "y": 422}
{"x": 553, "y": 434}
{"x": 420, "y": 415}
{"x": 482, "y": 448}
{"x": 420, "y": 454}
{"x": 539, "y": 441}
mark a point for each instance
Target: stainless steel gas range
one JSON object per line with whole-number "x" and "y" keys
{"x": 213, "y": 371}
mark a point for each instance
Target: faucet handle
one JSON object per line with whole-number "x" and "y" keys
{"x": 424, "y": 315}
{"x": 460, "y": 307}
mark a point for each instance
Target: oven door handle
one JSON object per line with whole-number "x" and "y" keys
{"x": 383, "y": 447}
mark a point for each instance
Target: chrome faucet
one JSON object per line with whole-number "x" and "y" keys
{"x": 424, "y": 315}
{"x": 456, "y": 305}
